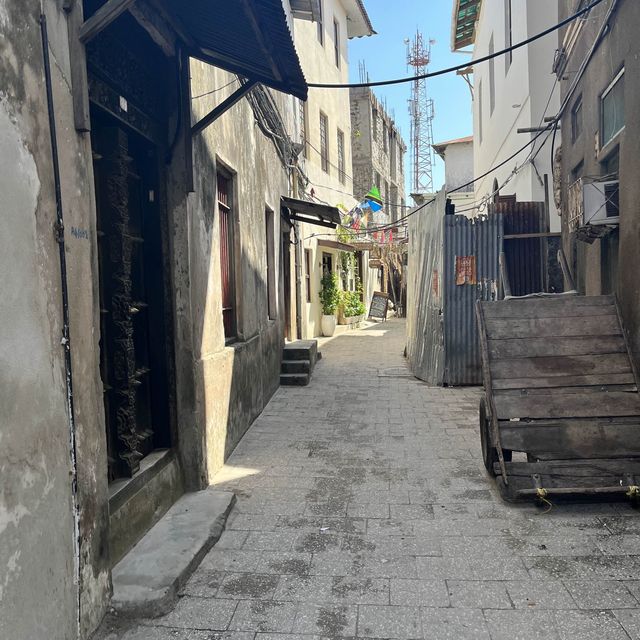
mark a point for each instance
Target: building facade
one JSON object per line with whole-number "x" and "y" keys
{"x": 457, "y": 156}
{"x": 600, "y": 149}
{"x": 512, "y": 96}
{"x": 144, "y": 252}
{"x": 378, "y": 151}
{"x": 324, "y": 126}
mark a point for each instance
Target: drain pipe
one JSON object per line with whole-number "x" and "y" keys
{"x": 64, "y": 286}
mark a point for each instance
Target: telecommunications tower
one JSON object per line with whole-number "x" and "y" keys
{"x": 421, "y": 112}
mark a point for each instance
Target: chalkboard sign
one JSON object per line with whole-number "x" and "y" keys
{"x": 379, "y": 305}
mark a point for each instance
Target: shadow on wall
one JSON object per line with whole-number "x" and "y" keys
{"x": 230, "y": 383}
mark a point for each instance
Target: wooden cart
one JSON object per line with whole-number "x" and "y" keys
{"x": 559, "y": 386}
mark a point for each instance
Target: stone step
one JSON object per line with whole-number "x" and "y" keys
{"x": 296, "y": 366}
{"x": 294, "y": 379}
{"x": 301, "y": 350}
{"x": 147, "y": 580}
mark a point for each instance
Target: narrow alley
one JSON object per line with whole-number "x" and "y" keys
{"x": 363, "y": 510}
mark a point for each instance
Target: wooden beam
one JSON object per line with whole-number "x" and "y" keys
{"x": 525, "y": 236}
{"x": 225, "y": 105}
{"x": 158, "y": 30}
{"x": 102, "y": 18}
{"x": 78, "y": 65}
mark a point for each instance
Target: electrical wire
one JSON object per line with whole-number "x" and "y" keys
{"x": 208, "y": 93}
{"x": 433, "y": 74}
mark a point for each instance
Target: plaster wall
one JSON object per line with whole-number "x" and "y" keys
{"x": 319, "y": 65}
{"x": 458, "y": 166}
{"x": 38, "y": 590}
{"x": 230, "y": 383}
{"x": 585, "y": 155}
{"x": 522, "y": 90}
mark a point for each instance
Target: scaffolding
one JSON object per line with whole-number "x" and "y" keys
{"x": 421, "y": 112}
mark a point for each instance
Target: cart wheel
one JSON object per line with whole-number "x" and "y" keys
{"x": 489, "y": 452}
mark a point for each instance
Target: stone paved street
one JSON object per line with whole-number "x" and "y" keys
{"x": 364, "y": 510}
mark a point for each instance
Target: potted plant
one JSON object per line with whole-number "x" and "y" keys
{"x": 330, "y": 299}
{"x": 351, "y": 307}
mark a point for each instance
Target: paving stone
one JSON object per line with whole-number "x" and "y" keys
{"x": 478, "y": 594}
{"x": 522, "y": 625}
{"x": 419, "y": 593}
{"x": 603, "y": 594}
{"x": 629, "y": 619}
{"x": 589, "y": 625}
{"x": 243, "y": 586}
{"x": 534, "y": 594}
{"x": 326, "y": 620}
{"x": 204, "y": 583}
{"x": 454, "y": 624}
{"x": 377, "y": 621}
{"x": 270, "y": 540}
{"x": 264, "y": 615}
{"x": 350, "y": 590}
{"x": 198, "y": 613}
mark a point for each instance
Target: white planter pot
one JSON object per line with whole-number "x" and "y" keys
{"x": 328, "y": 325}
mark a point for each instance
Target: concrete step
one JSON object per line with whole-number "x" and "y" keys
{"x": 147, "y": 580}
{"x": 296, "y": 366}
{"x": 301, "y": 350}
{"x": 294, "y": 379}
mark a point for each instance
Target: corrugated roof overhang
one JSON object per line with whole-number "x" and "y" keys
{"x": 465, "y": 16}
{"x": 358, "y": 22}
{"x": 311, "y": 212}
{"x": 336, "y": 244}
{"x": 247, "y": 37}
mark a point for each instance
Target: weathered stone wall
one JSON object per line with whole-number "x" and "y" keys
{"x": 38, "y": 596}
{"x": 371, "y": 155}
{"x": 597, "y": 268}
{"x": 223, "y": 388}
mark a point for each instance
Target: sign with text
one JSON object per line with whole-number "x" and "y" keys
{"x": 379, "y": 305}
{"x": 466, "y": 270}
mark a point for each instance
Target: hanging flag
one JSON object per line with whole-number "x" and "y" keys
{"x": 390, "y": 236}
{"x": 374, "y": 199}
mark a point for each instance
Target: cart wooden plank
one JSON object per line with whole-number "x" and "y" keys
{"x": 569, "y": 405}
{"x": 574, "y": 439}
{"x": 505, "y": 328}
{"x": 550, "y": 308}
{"x": 555, "y": 346}
{"x": 560, "y": 366}
{"x": 550, "y": 382}
{"x": 575, "y": 468}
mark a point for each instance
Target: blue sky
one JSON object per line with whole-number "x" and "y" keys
{"x": 385, "y": 57}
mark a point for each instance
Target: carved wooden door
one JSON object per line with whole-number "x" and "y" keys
{"x": 131, "y": 296}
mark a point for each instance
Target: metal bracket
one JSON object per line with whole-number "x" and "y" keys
{"x": 224, "y": 106}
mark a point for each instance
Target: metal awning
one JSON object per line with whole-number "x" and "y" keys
{"x": 336, "y": 244}
{"x": 312, "y": 213}
{"x": 463, "y": 28}
{"x": 248, "y": 37}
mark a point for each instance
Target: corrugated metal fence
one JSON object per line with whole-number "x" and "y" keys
{"x": 453, "y": 261}
{"x": 471, "y": 272}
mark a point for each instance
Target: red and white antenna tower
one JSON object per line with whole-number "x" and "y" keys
{"x": 421, "y": 112}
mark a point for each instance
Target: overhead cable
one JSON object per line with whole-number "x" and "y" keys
{"x": 459, "y": 67}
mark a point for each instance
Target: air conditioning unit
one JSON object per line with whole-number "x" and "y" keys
{"x": 601, "y": 202}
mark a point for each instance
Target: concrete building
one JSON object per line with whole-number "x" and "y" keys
{"x": 601, "y": 146}
{"x": 326, "y": 160}
{"x": 457, "y": 156}
{"x": 378, "y": 151}
{"x": 511, "y": 92}
{"x": 145, "y": 261}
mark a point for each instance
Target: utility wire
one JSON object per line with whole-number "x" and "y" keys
{"x": 459, "y": 67}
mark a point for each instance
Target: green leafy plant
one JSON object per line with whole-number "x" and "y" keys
{"x": 329, "y": 293}
{"x": 351, "y": 303}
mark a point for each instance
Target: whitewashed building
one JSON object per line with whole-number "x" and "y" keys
{"x": 325, "y": 131}
{"x": 511, "y": 93}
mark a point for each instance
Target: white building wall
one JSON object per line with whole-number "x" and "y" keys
{"x": 521, "y": 92}
{"x": 318, "y": 64}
